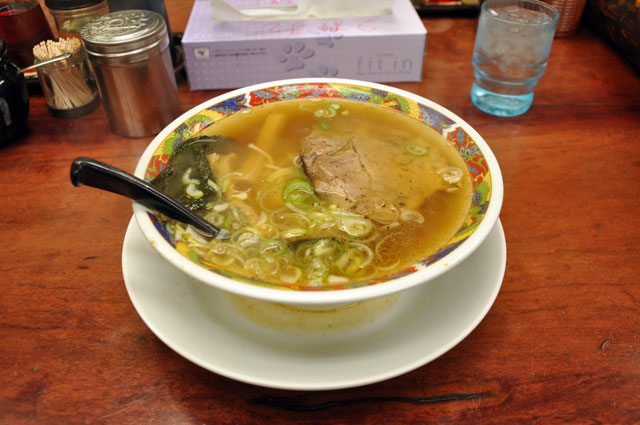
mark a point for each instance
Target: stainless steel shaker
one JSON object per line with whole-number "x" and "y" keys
{"x": 129, "y": 51}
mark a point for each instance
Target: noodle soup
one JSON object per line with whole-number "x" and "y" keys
{"x": 318, "y": 192}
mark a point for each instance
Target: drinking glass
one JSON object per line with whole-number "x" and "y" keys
{"x": 511, "y": 51}
{"x": 22, "y": 26}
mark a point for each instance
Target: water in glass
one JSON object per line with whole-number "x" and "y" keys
{"x": 512, "y": 47}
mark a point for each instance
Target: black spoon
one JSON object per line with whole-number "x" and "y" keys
{"x": 96, "y": 174}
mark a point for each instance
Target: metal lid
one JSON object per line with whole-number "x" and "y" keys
{"x": 70, "y": 4}
{"x": 124, "y": 33}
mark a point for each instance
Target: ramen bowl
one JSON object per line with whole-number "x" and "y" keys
{"x": 484, "y": 208}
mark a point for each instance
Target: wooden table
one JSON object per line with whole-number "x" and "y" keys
{"x": 561, "y": 344}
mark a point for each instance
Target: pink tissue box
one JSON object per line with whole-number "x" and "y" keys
{"x": 221, "y": 55}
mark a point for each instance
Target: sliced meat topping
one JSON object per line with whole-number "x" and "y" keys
{"x": 371, "y": 176}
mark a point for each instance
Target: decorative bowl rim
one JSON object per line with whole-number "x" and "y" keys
{"x": 418, "y": 276}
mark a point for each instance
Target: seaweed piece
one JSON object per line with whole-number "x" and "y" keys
{"x": 190, "y": 158}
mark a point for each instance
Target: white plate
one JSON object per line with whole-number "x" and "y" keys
{"x": 280, "y": 347}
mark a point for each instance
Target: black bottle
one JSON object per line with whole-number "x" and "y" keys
{"x": 14, "y": 99}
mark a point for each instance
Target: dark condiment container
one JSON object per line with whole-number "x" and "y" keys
{"x": 129, "y": 51}
{"x": 14, "y": 100}
{"x": 71, "y": 15}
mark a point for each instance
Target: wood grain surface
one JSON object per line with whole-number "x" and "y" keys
{"x": 561, "y": 345}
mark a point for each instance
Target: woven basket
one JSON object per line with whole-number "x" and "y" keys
{"x": 570, "y": 13}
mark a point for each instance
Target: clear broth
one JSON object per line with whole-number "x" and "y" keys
{"x": 271, "y": 146}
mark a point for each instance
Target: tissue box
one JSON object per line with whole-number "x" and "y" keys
{"x": 231, "y": 54}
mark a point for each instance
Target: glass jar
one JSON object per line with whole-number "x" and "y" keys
{"x": 68, "y": 85}
{"x": 71, "y": 15}
{"x": 14, "y": 100}
{"x": 22, "y": 26}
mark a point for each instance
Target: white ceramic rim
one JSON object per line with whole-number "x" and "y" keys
{"x": 320, "y": 298}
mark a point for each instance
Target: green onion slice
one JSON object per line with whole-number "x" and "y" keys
{"x": 213, "y": 185}
{"x": 317, "y": 271}
{"x": 328, "y": 249}
{"x": 297, "y": 191}
{"x": 193, "y": 191}
{"x": 329, "y": 112}
{"x": 272, "y": 248}
{"x": 290, "y": 274}
{"x": 186, "y": 178}
{"x": 295, "y": 233}
{"x": 416, "y": 150}
{"x": 355, "y": 225}
{"x": 350, "y": 262}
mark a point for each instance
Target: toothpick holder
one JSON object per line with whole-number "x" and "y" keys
{"x": 69, "y": 87}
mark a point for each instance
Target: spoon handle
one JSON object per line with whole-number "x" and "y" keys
{"x": 97, "y": 174}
